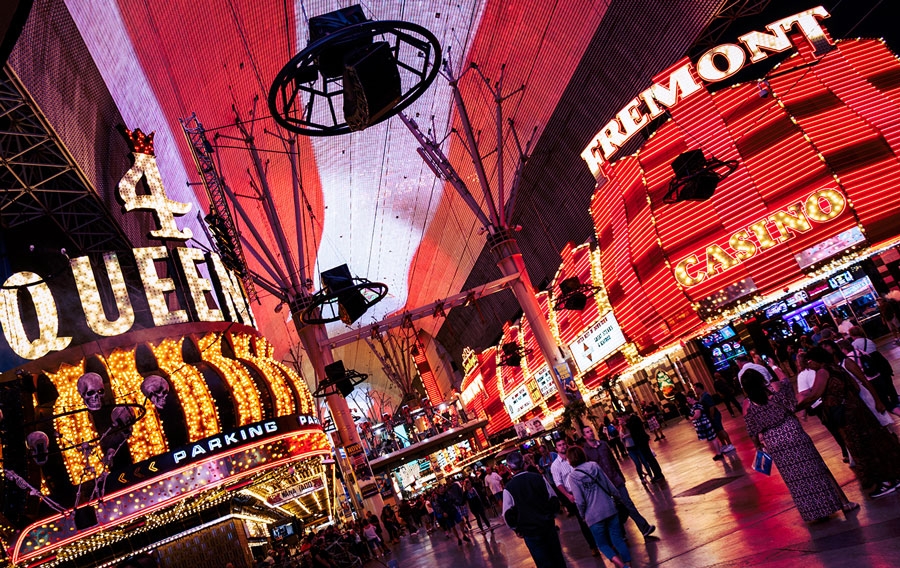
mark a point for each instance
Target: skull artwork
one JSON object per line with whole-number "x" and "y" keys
{"x": 38, "y": 446}
{"x": 90, "y": 387}
{"x": 123, "y": 418}
{"x": 156, "y": 389}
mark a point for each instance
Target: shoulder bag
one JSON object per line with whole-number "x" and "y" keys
{"x": 621, "y": 507}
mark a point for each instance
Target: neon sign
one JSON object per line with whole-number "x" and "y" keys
{"x": 653, "y": 101}
{"x": 759, "y": 237}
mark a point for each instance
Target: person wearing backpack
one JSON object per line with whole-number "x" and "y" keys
{"x": 877, "y": 369}
{"x": 890, "y": 314}
{"x": 529, "y": 507}
{"x": 614, "y": 438}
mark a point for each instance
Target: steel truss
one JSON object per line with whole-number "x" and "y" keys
{"x": 39, "y": 178}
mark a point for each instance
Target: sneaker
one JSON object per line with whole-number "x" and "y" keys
{"x": 718, "y": 457}
{"x": 728, "y": 448}
{"x": 648, "y": 531}
{"x": 884, "y": 489}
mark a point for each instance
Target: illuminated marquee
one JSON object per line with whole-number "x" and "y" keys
{"x": 820, "y": 207}
{"x": 161, "y": 485}
{"x": 652, "y": 102}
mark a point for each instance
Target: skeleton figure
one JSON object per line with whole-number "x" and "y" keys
{"x": 156, "y": 389}
{"x": 90, "y": 387}
{"x": 110, "y": 443}
{"x": 119, "y": 431}
{"x": 38, "y": 446}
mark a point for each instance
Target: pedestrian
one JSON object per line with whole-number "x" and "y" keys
{"x": 703, "y": 426}
{"x": 726, "y": 393}
{"x": 805, "y": 379}
{"x": 476, "y": 505}
{"x": 877, "y": 369}
{"x": 773, "y": 427}
{"x": 875, "y": 449}
{"x": 596, "y": 496}
{"x": 405, "y": 511}
{"x": 529, "y": 507}
{"x": 494, "y": 482}
{"x": 651, "y": 411}
{"x": 389, "y": 521}
{"x": 545, "y": 462}
{"x": 598, "y": 451}
{"x": 642, "y": 447}
{"x": 715, "y": 417}
{"x": 849, "y": 358}
{"x": 560, "y": 471}
{"x": 449, "y": 516}
{"x": 890, "y": 315}
{"x": 743, "y": 362}
{"x": 372, "y": 537}
{"x": 613, "y": 438}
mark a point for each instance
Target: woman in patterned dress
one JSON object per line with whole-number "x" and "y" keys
{"x": 703, "y": 426}
{"x": 772, "y": 426}
{"x": 875, "y": 449}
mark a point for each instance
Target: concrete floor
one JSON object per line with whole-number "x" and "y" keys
{"x": 750, "y": 520}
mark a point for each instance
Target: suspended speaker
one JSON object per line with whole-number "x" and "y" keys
{"x": 371, "y": 85}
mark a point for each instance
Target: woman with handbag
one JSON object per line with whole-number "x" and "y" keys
{"x": 596, "y": 499}
{"x": 875, "y": 449}
{"x": 772, "y": 425}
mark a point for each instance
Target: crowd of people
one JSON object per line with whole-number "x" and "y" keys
{"x": 840, "y": 378}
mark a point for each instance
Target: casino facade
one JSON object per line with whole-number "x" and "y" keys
{"x": 803, "y": 227}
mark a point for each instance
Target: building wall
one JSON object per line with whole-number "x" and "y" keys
{"x": 213, "y": 546}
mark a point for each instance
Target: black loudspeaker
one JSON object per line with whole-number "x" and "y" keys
{"x": 85, "y": 517}
{"x": 371, "y": 85}
{"x": 336, "y": 372}
{"x": 569, "y": 285}
{"x": 693, "y": 171}
{"x": 331, "y": 60}
{"x": 351, "y": 304}
{"x": 511, "y": 355}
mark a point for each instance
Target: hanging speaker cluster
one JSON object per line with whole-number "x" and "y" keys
{"x": 339, "y": 380}
{"x": 573, "y": 294}
{"x": 342, "y": 297}
{"x": 696, "y": 178}
{"x": 512, "y": 355}
{"x": 369, "y": 69}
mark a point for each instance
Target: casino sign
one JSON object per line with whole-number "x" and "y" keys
{"x": 138, "y": 382}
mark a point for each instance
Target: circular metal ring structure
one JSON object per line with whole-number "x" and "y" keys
{"x": 304, "y": 101}
{"x": 324, "y": 307}
{"x": 329, "y": 387}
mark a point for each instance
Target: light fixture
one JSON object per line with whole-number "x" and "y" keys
{"x": 696, "y": 177}
{"x": 512, "y": 355}
{"x": 341, "y": 298}
{"x": 339, "y": 380}
{"x": 370, "y": 70}
{"x": 574, "y": 294}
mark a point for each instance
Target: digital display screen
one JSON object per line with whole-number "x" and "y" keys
{"x": 282, "y": 531}
{"x": 719, "y": 336}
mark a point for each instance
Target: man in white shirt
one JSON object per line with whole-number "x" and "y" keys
{"x": 560, "y": 470}
{"x": 860, "y": 342}
{"x": 743, "y": 363}
{"x": 844, "y": 327}
{"x": 495, "y": 484}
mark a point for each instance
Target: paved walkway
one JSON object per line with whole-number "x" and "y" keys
{"x": 708, "y": 514}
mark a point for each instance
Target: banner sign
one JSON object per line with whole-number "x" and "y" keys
{"x": 597, "y": 342}
{"x": 295, "y": 491}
